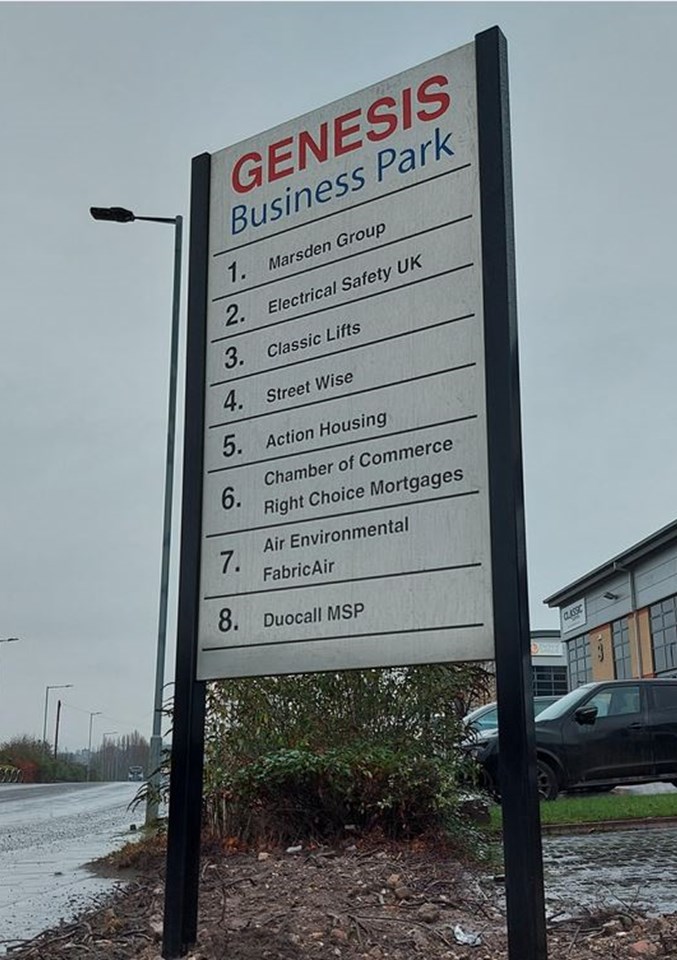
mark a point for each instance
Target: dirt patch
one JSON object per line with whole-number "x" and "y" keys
{"x": 351, "y": 904}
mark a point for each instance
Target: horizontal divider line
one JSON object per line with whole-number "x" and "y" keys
{"x": 345, "y": 443}
{"x": 334, "y": 213}
{"x": 336, "y": 353}
{"x": 337, "y": 583}
{"x": 348, "y": 256}
{"x": 345, "y": 513}
{"x": 343, "y": 636}
{"x": 343, "y": 396}
{"x": 337, "y": 306}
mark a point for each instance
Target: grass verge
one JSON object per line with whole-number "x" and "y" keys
{"x": 597, "y": 808}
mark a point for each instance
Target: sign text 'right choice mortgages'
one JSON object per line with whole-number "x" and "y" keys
{"x": 345, "y": 516}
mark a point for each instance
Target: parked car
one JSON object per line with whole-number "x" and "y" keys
{"x": 486, "y": 717}
{"x": 599, "y": 736}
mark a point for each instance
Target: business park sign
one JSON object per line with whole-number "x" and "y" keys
{"x": 352, "y": 487}
{"x": 345, "y": 511}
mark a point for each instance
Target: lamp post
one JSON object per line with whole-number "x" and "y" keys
{"x": 92, "y": 714}
{"x": 54, "y": 686}
{"x": 122, "y": 215}
{"x": 56, "y": 728}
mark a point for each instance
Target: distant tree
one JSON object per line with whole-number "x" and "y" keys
{"x": 114, "y": 758}
{"x": 36, "y": 762}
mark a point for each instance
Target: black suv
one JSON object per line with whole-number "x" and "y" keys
{"x": 599, "y": 736}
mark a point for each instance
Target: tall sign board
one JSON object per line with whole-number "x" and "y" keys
{"x": 345, "y": 517}
{"x": 352, "y": 463}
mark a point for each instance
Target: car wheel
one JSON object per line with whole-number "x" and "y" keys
{"x": 548, "y": 787}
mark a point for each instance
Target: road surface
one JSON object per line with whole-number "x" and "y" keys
{"x": 48, "y": 832}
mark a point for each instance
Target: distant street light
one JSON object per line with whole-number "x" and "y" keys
{"x": 92, "y": 714}
{"x": 54, "y": 686}
{"x": 122, "y": 215}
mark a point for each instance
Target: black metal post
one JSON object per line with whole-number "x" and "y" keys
{"x": 518, "y": 781}
{"x": 185, "y": 793}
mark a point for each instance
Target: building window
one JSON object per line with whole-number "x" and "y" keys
{"x": 620, "y": 639}
{"x": 580, "y": 665}
{"x": 550, "y": 681}
{"x": 664, "y": 635}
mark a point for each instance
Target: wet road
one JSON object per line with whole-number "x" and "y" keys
{"x": 637, "y": 868}
{"x": 47, "y": 833}
{"x": 632, "y": 868}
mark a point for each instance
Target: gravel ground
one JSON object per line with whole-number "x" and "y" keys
{"x": 350, "y": 904}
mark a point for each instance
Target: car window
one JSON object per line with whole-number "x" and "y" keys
{"x": 665, "y": 697}
{"x": 563, "y": 705}
{"x": 542, "y": 703}
{"x": 488, "y": 720}
{"x": 616, "y": 701}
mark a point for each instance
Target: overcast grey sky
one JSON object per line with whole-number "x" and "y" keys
{"x": 105, "y": 104}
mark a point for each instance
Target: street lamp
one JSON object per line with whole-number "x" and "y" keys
{"x": 122, "y": 215}
{"x": 54, "y": 686}
{"x": 92, "y": 714}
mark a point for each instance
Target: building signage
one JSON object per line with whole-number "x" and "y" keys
{"x": 573, "y": 617}
{"x": 546, "y": 648}
{"x": 345, "y": 517}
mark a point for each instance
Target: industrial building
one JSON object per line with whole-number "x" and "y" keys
{"x": 620, "y": 619}
{"x": 548, "y": 664}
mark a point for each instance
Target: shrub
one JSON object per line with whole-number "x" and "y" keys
{"x": 37, "y": 764}
{"x": 290, "y": 795}
{"x": 298, "y": 757}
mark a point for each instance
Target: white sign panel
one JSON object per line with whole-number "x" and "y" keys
{"x": 573, "y": 617}
{"x": 345, "y": 516}
{"x": 546, "y": 648}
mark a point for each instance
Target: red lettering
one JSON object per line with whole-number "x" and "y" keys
{"x": 342, "y": 132}
{"x": 382, "y": 118}
{"x": 319, "y": 151}
{"x": 440, "y": 97}
{"x": 406, "y": 108}
{"x": 377, "y": 118}
{"x": 275, "y": 158}
{"x": 253, "y": 175}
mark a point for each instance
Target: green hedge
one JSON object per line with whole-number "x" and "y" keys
{"x": 292, "y": 795}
